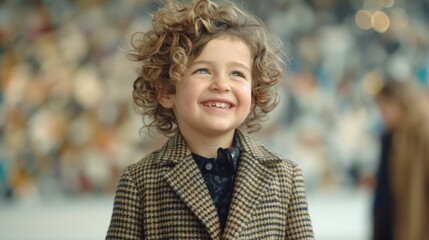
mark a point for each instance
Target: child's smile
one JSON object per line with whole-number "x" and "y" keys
{"x": 222, "y": 105}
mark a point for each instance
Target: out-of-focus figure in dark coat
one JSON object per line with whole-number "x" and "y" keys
{"x": 401, "y": 207}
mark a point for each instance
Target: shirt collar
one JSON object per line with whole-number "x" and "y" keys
{"x": 233, "y": 152}
{"x": 228, "y": 156}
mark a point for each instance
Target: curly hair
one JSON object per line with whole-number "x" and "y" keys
{"x": 179, "y": 33}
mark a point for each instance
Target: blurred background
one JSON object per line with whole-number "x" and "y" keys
{"x": 68, "y": 128}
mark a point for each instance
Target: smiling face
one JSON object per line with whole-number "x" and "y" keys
{"x": 214, "y": 97}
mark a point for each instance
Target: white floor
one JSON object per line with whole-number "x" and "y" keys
{"x": 340, "y": 215}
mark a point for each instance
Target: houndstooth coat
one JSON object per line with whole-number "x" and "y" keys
{"x": 164, "y": 196}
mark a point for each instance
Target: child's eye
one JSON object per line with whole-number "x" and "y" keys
{"x": 201, "y": 71}
{"x": 238, "y": 74}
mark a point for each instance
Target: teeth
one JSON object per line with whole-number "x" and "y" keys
{"x": 217, "y": 105}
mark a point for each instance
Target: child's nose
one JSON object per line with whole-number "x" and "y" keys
{"x": 220, "y": 84}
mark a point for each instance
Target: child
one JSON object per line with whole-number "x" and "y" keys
{"x": 208, "y": 74}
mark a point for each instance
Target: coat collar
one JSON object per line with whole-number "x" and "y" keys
{"x": 175, "y": 149}
{"x": 252, "y": 181}
{"x": 183, "y": 175}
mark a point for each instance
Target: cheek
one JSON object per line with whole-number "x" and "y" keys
{"x": 246, "y": 91}
{"x": 186, "y": 94}
{"x": 246, "y": 97}
{"x": 247, "y": 88}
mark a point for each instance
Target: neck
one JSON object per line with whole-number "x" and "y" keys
{"x": 207, "y": 145}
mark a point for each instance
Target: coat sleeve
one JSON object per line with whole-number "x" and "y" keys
{"x": 298, "y": 218}
{"x": 127, "y": 216}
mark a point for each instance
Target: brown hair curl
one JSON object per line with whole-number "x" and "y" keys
{"x": 178, "y": 35}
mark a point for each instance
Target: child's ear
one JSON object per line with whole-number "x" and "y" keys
{"x": 165, "y": 99}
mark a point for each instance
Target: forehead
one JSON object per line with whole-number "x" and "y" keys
{"x": 226, "y": 49}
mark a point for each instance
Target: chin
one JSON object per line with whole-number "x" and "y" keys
{"x": 220, "y": 130}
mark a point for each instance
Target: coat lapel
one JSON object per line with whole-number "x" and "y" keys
{"x": 182, "y": 174}
{"x": 253, "y": 179}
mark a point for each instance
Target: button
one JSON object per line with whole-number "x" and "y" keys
{"x": 209, "y": 166}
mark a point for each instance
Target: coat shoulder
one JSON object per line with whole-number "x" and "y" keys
{"x": 145, "y": 169}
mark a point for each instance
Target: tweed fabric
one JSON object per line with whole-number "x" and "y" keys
{"x": 164, "y": 196}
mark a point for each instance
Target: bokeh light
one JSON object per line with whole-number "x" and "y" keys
{"x": 398, "y": 19}
{"x": 364, "y": 19}
{"x": 386, "y": 3}
{"x": 380, "y": 21}
{"x": 372, "y": 83}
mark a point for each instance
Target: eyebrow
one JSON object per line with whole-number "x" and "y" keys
{"x": 237, "y": 64}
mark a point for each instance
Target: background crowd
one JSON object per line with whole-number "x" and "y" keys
{"x": 67, "y": 124}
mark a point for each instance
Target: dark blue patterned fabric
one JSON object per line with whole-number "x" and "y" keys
{"x": 219, "y": 175}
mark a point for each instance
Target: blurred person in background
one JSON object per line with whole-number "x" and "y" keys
{"x": 401, "y": 207}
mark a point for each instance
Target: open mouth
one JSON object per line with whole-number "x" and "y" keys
{"x": 221, "y": 105}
